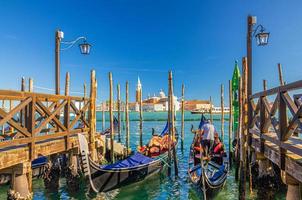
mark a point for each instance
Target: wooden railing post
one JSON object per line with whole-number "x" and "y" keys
{"x": 262, "y": 119}
{"x": 282, "y": 128}
{"x": 92, "y": 116}
{"x": 31, "y": 121}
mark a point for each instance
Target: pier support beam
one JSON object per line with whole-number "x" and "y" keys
{"x": 51, "y": 174}
{"x": 72, "y": 175}
{"x": 21, "y": 183}
{"x": 293, "y": 187}
{"x": 266, "y": 179}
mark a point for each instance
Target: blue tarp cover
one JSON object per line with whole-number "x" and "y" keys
{"x": 132, "y": 161}
{"x": 218, "y": 174}
{"x": 39, "y": 161}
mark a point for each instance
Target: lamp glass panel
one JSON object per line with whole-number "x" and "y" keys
{"x": 85, "y": 48}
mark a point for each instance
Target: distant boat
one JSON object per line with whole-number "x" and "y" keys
{"x": 215, "y": 110}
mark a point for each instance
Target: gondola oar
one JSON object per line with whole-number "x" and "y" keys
{"x": 202, "y": 174}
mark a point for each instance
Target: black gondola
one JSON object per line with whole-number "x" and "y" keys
{"x": 115, "y": 127}
{"x": 134, "y": 168}
{"x": 215, "y": 170}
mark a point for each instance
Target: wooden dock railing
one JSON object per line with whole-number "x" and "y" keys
{"x": 41, "y": 124}
{"x": 274, "y": 133}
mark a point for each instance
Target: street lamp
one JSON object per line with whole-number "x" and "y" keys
{"x": 262, "y": 40}
{"x": 84, "y": 48}
{"x": 261, "y": 36}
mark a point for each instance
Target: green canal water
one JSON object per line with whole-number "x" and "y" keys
{"x": 158, "y": 186}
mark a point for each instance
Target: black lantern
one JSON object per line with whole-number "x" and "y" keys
{"x": 85, "y": 48}
{"x": 262, "y": 38}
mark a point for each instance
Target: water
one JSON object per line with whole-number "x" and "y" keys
{"x": 158, "y": 186}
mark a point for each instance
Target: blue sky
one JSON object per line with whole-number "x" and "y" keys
{"x": 198, "y": 40}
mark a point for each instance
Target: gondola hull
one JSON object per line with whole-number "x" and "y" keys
{"x": 103, "y": 180}
{"x": 213, "y": 184}
{"x": 106, "y": 179}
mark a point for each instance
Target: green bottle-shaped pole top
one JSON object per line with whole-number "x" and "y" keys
{"x": 235, "y": 91}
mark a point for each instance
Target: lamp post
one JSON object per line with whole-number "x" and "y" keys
{"x": 84, "y": 48}
{"x": 262, "y": 40}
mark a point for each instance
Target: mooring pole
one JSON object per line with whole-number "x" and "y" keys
{"x": 222, "y": 111}
{"x": 169, "y": 125}
{"x": 92, "y": 116}
{"x": 173, "y": 124}
{"x": 103, "y": 116}
{"x": 22, "y": 112}
{"x": 119, "y": 111}
{"x": 211, "y": 111}
{"x": 230, "y": 123}
{"x": 111, "y": 118}
{"x": 141, "y": 118}
{"x": 244, "y": 130}
{"x": 127, "y": 119}
{"x": 182, "y": 116}
{"x": 66, "y": 107}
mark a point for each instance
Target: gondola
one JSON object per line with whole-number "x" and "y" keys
{"x": 215, "y": 171}
{"x": 134, "y": 168}
{"x": 115, "y": 126}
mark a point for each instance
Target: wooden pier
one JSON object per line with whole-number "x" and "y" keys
{"x": 271, "y": 135}
{"x": 274, "y": 134}
{"x": 45, "y": 125}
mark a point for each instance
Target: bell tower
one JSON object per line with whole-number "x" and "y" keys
{"x": 138, "y": 90}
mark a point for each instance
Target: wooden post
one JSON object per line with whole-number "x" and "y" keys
{"x": 230, "y": 123}
{"x": 31, "y": 85}
{"x": 119, "y": 111}
{"x": 111, "y": 118}
{"x": 3, "y": 108}
{"x": 127, "y": 119}
{"x": 92, "y": 116}
{"x": 280, "y": 74}
{"x": 169, "y": 125}
{"x": 222, "y": 112}
{"x": 182, "y": 116}
{"x": 22, "y": 112}
{"x": 84, "y": 102}
{"x": 103, "y": 116}
{"x": 141, "y": 118}
{"x": 67, "y": 109}
{"x": 172, "y": 122}
{"x": 244, "y": 131}
{"x": 211, "y": 111}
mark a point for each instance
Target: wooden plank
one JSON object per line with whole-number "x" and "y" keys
{"x": 291, "y": 86}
